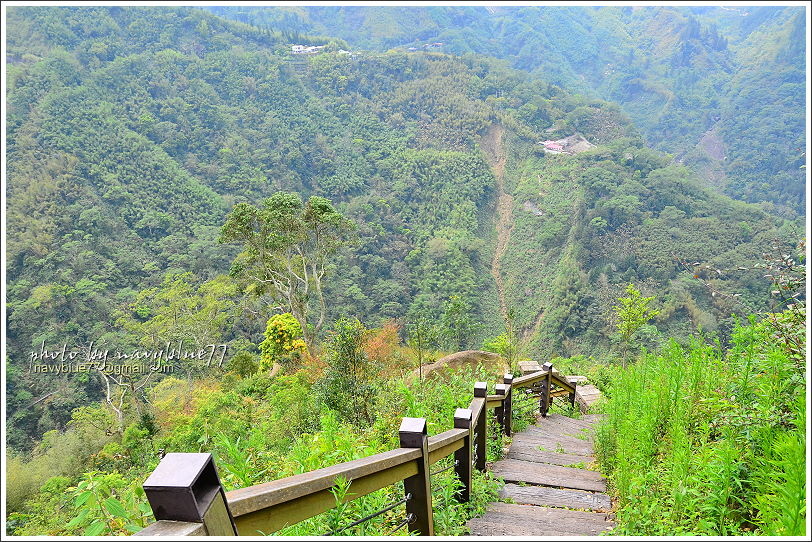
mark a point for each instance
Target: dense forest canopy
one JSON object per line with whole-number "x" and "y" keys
{"x": 132, "y": 132}
{"x": 168, "y": 167}
{"x": 684, "y": 74}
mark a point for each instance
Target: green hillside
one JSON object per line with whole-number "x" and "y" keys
{"x": 437, "y": 202}
{"x": 684, "y": 75}
{"x": 131, "y": 140}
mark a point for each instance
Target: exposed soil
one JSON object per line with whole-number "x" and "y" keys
{"x": 492, "y": 145}
{"x": 712, "y": 145}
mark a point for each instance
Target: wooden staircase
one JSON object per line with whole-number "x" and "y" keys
{"x": 552, "y": 492}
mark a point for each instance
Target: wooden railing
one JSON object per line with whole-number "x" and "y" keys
{"x": 187, "y": 497}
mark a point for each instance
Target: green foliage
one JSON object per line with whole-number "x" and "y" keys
{"x": 133, "y": 131}
{"x": 422, "y": 336}
{"x": 243, "y": 363}
{"x": 508, "y": 344}
{"x": 287, "y": 245}
{"x": 180, "y": 310}
{"x": 131, "y": 138}
{"x": 282, "y": 342}
{"x": 107, "y": 506}
{"x": 701, "y": 441}
{"x": 501, "y": 344}
{"x": 458, "y": 326}
{"x": 349, "y": 384}
{"x": 238, "y": 460}
{"x": 683, "y": 74}
{"x": 633, "y": 313}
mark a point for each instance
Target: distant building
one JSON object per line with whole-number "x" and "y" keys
{"x": 553, "y": 146}
{"x": 306, "y": 49}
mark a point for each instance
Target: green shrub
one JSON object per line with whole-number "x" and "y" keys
{"x": 701, "y": 441}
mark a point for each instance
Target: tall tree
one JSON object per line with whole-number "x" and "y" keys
{"x": 633, "y": 313}
{"x": 287, "y": 245}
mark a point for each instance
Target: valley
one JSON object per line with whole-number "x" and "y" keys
{"x": 370, "y": 228}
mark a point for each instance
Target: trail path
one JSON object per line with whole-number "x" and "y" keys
{"x": 493, "y": 145}
{"x": 551, "y": 495}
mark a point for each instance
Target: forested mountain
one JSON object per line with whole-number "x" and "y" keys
{"x": 132, "y": 132}
{"x": 168, "y": 166}
{"x": 684, "y": 75}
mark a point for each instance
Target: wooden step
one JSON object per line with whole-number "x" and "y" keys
{"x": 502, "y": 519}
{"x": 581, "y": 446}
{"x": 553, "y": 443}
{"x": 558, "y": 430}
{"x": 592, "y": 417}
{"x": 587, "y": 395}
{"x": 548, "y": 496}
{"x": 516, "y": 470}
{"x": 492, "y": 526}
{"x": 586, "y": 420}
{"x": 533, "y": 454}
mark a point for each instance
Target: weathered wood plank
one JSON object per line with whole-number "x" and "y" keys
{"x": 445, "y": 444}
{"x": 249, "y": 499}
{"x": 556, "y": 431}
{"x": 529, "y": 366}
{"x": 548, "y": 496}
{"x": 167, "y": 527}
{"x": 553, "y": 443}
{"x": 270, "y": 519}
{"x": 483, "y": 527}
{"x": 515, "y": 470}
{"x": 533, "y": 454}
{"x": 583, "y": 421}
{"x": 477, "y": 408}
{"x": 505, "y": 518}
{"x": 560, "y": 381}
{"x": 562, "y": 429}
{"x": 529, "y": 379}
{"x": 217, "y": 521}
{"x": 587, "y": 395}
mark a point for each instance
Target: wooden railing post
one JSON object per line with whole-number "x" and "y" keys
{"x": 508, "y": 379}
{"x": 545, "y": 393}
{"x": 572, "y": 395}
{"x": 413, "y": 434}
{"x": 481, "y": 390}
{"x": 183, "y": 490}
{"x": 501, "y": 389}
{"x": 462, "y": 457}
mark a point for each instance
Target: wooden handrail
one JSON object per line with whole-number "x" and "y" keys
{"x": 445, "y": 444}
{"x": 529, "y": 379}
{"x": 250, "y": 499}
{"x": 478, "y": 406}
{"x": 269, "y": 507}
{"x": 562, "y": 381}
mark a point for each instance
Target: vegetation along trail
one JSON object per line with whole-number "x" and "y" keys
{"x": 493, "y": 146}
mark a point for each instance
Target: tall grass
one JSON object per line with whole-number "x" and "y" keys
{"x": 701, "y": 441}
